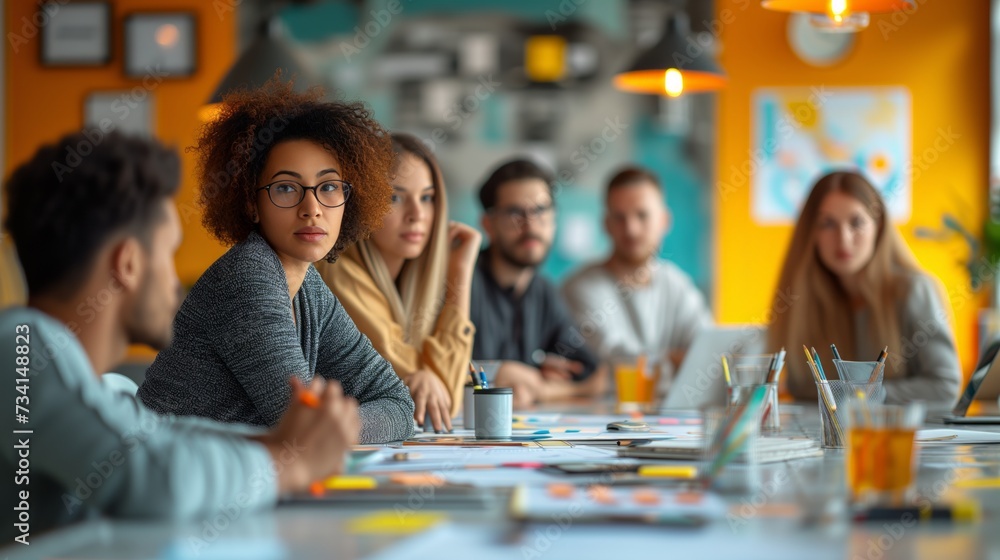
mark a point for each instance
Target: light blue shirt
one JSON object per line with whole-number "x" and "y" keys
{"x": 94, "y": 450}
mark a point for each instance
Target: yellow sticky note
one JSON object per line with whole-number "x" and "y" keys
{"x": 350, "y": 483}
{"x": 388, "y": 522}
{"x": 669, "y": 471}
{"x": 978, "y": 483}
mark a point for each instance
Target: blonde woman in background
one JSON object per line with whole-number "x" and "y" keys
{"x": 407, "y": 288}
{"x": 852, "y": 281}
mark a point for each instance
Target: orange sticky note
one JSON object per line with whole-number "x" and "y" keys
{"x": 561, "y": 490}
{"x": 646, "y": 497}
{"x": 601, "y": 495}
{"x": 416, "y": 479}
{"x": 689, "y": 497}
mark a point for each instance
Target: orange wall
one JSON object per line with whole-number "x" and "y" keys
{"x": 941, "y": 53}
{"x": 42, "y": 104}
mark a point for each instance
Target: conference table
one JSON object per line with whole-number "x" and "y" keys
{"x": 799, "y": 512}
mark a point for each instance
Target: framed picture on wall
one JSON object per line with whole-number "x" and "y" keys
{"x": 77, "y": 34}
{"x": 126, "y": 111}
{"x": 160, "y": 44}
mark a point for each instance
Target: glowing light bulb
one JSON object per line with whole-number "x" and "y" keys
{"x": 838, "y": 9}
{"x": 673, "y": 82}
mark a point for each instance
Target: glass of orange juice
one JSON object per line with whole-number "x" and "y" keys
{"x": 881, "y": 455}
{"x": 636, "y": 379}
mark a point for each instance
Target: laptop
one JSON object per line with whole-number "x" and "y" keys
{"x": 700, "y": 381}
{"x": 983, "y": 385}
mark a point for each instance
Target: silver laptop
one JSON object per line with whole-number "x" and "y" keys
{"x": 700, "y": 381}
{"x": 984, "y": 384}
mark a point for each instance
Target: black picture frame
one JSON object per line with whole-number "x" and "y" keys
{"x": 62, "y": 43}
{"x": 137, "y": 64}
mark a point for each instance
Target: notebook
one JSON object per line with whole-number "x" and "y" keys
{"x": 772, "y": 449}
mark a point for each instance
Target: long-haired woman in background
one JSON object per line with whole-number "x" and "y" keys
{"x": 408, "y": 286}
{"x": 849, "y": 279}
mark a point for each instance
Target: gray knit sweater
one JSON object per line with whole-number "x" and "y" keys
{"x": 236, "y": 345}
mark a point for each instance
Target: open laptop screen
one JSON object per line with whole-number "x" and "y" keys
{"x": 977, "y": 379}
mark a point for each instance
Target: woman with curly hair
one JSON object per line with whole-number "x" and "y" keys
{"x": 287, "y": 180}
{"x": 408, "y": 287}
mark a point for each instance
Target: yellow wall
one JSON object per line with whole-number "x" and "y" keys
{"x": 42, "y": 104}
{"x": 941, "y": 53}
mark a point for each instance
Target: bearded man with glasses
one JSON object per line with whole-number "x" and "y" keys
{"x": 520, "y": 317}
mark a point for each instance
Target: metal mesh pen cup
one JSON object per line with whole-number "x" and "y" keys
{"x": 834, "y": 396}
{"x": 861, "y": 372}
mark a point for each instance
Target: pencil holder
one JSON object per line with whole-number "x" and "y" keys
{"x": 833, "y": 407}
{"x": 468, "y": 408}
{"x": 731, "y": 456}
{"x": 494, "y": 412}
{"x": 862, "y": 372}
{"x": 748, "y": 372}
{"x": 770, "y": 422}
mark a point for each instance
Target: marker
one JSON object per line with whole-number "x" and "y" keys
{"x": 309, "y": 399}
{"x": 965, "y": 511}
{"x": 347, "y": 482}
{"x": 668, "y": 471}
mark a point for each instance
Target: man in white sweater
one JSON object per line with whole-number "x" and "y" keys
{"x": 635, "y": 303}
{"x": 96, "y": 238}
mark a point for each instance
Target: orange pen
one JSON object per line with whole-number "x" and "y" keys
{"x": 309, "y": 399}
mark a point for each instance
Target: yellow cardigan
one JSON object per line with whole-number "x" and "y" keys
{"x": 446, "y": 351}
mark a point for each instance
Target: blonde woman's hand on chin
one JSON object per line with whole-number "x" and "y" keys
{"x": 430, "y": 398}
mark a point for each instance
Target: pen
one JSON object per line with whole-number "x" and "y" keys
{"x": 819, "y": 364}
{"x": 880, "y": 365}
{"x": 836, "y": 353}
{"x": 482, "y": 378}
